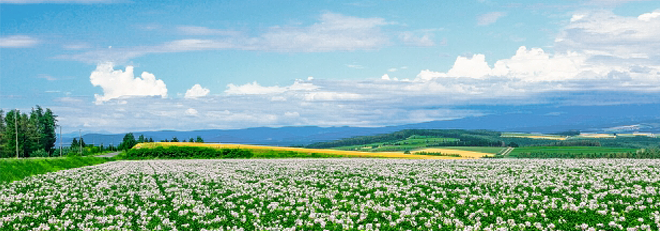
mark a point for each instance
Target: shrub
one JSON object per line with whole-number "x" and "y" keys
{"x": 186, "y": 153}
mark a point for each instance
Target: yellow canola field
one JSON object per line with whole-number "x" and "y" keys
{"x": 320, "y": 151}
{"x": 464, "y": 154}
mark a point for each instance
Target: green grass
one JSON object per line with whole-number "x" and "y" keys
{"x": 585, "y": 150}
{"x": 16, "y": 169}
{"x": 492, "y": 150}
{"x": 411, "y": 143}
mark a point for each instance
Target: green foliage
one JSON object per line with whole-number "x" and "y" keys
{"x": 640, "y": 154}
{"x": 175, "y": 152}
{"x": 174, "y": 139}
{"x": 454, "y": 138}
{"x": 128, "y": 142}
{"x": 547, "y": 151}
{"x": 17, "y": 169}
{"x": 74, "y": 144}
{"x": 437, "y": 154}
{"x": 199, "y": 139}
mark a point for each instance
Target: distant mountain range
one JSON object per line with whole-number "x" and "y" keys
{"x": 542, "y": 119}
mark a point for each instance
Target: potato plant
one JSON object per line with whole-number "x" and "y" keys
{"x": 339, "y": 194}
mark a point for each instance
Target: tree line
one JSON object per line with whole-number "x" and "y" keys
{"x": 465, "y": 137}
{"x": 32, "y": 133}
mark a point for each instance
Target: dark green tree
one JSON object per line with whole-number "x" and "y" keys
{"x": 141, "y": 139}
{"x": 128, "y": 142}
{"x": 3, "y": 127}
{"x": 191, "y": 140}
{"x": 151, "y": 140}
{"x": 74, "y": 144}
{"x": 199, "y": 139}
{"x": 48, "y": 135}
{"x": 174, "y": 139}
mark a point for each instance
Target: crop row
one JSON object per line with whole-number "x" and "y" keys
{"x": 339, "y": 194}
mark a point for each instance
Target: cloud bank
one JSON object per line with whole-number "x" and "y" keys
{"x": 599, "y": 58}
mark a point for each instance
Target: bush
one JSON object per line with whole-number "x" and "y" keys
{"x": 186, "y": 153}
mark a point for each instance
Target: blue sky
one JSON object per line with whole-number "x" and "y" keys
{"x": 237, "y": 64}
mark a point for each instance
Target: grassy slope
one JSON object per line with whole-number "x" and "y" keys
{"x": 492, "y": 150}
{"x": 17, "y": 169}
{"x": 519, "y": 150}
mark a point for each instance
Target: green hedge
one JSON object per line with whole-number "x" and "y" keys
{"x": 17, "y": 169}
{"x": 185, "y": 153}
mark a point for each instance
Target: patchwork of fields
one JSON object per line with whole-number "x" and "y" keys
{"x": 339, "y": 194}
{"x": 357, "y": 154}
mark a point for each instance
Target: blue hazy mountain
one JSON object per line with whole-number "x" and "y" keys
{"x": 535, "y": 118}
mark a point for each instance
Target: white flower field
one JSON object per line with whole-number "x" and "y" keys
{"x": 339, "y": 194}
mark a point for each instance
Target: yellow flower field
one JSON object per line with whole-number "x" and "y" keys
{"x": 465, "y": 154}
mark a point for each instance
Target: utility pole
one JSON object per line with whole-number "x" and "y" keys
{"x": 60, "y": 141}
{"x": 16, "y": 126}
{"x": 80, "y": 140}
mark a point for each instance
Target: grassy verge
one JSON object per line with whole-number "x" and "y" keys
{"x": 17, "y": 169}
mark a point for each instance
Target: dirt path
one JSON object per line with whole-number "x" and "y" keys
{"x": 109, "y": 155}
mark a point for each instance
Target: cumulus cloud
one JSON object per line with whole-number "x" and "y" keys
{"x": 649, "y": 16}
{"x": 489, "y": 18}
{"x": 197, "y": 91}
{"x": 18, "y": 41}
{"x": 118, "y": 83}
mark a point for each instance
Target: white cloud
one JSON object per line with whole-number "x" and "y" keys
{"x": 385, "y": 77}
{"x": 18, "y": 41}
{"x": 334, "y": 32}
{"x": 118, "y": 83}
{"x": 649, "y": 16}
{"x": 191, "y": 112}
{"x": 603, "y": 34}
{"x": 197, "y": 91}
{"x": 256, "y": 88}
{"x": 409, "y": 38}
{"x": 332, "y": 96}
{"x": 489, "y": 18}
{"x": 253, "y": 88}
{"x": 292, "y": 114}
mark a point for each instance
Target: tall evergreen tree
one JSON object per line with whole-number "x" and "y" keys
{"x": 151, "y": 140}
{"x": 48, "y": 135}
{"x": 74, "y": 144}
{"x": 141, "y": 139}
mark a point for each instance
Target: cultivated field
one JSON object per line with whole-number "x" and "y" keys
{"x": 339, "y": 194}
{"x": 574, "y": 150}
{"x": 318, "y": 151}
